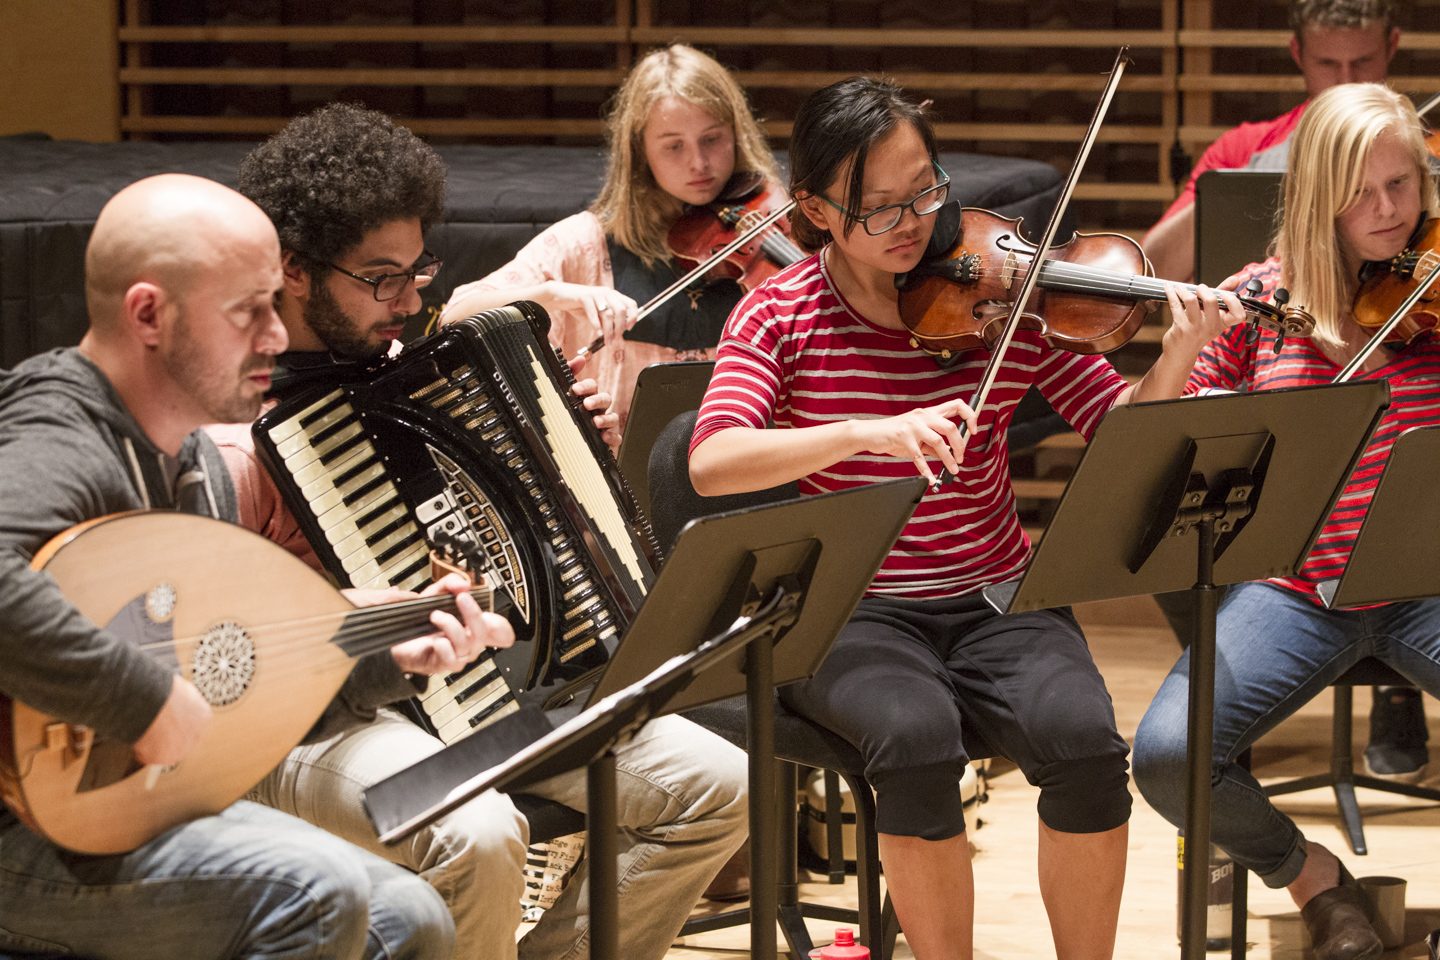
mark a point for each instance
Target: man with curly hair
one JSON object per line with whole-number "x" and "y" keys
{"x": 351, "y": 196}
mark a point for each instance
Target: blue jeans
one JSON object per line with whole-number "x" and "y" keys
{"x": 1275, "y": 651}
{"x": 250, "y": 882}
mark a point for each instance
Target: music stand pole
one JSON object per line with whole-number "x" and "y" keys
{"x": 764, "y": 831}
{"x": 1200, "y": 734}
{"x": 602, "y": 819}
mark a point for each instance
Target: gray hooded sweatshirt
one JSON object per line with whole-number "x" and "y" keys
{"x": 70, "y": 452}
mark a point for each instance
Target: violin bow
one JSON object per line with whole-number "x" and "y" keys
{"x": 1428, "y": 105}
{"x": 1354, "y": 365}
{"x": 1042, "y": 249}
{"x": 664, "y": 296}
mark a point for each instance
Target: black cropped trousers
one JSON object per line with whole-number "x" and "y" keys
{"x": 921, "y": 687}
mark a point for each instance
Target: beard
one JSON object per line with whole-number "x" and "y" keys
{"x": 325, "y": 318}
{"x": 217, "y": 387}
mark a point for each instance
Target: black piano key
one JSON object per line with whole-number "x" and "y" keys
{"x": 413, "y": 569}
{"x": 342, "y": 449}
{"x": 310, "y": 418}
{"x": 485, "y": 714}
{"x": 350, "y": 473}
{"x": 364, "y": 489}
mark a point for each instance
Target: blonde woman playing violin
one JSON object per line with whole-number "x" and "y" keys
{"x": 681, "y": 135}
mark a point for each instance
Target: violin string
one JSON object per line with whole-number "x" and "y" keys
{"x": 1101, "y": 282}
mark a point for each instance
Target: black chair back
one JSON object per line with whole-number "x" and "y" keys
{"x": 673, "y": 500}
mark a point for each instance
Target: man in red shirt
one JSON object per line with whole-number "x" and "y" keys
{"x": 1335, "y": 41}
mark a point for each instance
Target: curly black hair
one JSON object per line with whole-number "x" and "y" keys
{"x": 332, "y": 176}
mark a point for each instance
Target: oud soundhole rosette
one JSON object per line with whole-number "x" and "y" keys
{"x": 224, "y": 664}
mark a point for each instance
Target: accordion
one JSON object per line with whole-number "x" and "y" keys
{"x": 471, "y": 434}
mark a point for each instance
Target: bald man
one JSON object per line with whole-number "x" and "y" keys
{"x": 182, "y": 275}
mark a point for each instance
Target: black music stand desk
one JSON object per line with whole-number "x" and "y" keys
{"x": 1198, "y": 493}
{"x": 787, "y": 575}
{"x": 1403, "y": 506}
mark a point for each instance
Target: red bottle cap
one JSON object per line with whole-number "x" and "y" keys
{"x": 844, "y": 947}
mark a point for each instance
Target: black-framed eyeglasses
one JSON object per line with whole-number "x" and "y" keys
{"x": 888, "y": 217}
{"x": 388, "y": 286}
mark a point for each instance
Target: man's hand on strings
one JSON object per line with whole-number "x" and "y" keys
{"x": 919, "y": 435}
{"x": 457, "y": 640}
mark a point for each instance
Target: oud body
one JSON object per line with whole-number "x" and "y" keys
{"x": 250, "y": 625}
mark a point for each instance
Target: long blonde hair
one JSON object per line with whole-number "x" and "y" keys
{"x": 1328, "y": 155}
{"x": 632, "y": 207}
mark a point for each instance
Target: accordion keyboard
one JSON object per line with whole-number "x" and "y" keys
{"x": 354, "y": 503}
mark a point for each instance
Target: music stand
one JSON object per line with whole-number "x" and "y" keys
{"x": 820, "y": 552}
{"x": 663, "y": 391}
{"x": 1235, "y": 221}
{"x": 1156, "y": 473}
{"x": 1402, "y": 504}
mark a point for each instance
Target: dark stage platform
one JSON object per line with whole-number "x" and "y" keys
{"x": 499, "y": 197}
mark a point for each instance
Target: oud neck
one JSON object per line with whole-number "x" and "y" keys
{"x": 368, "y": 630}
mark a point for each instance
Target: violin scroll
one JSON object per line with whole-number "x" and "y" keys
{"x": 1277, "y": 316}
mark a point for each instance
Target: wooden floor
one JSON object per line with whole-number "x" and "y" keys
{"x": 1404, "y": 835}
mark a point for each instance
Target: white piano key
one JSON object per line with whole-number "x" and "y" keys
{"x": 288, "y": 428}
{"x": 460, "y": 726}
{"x": 305, "y": 436}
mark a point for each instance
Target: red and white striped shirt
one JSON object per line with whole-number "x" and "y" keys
{"x": 794, "y": 351}
{"x": 1228, "y": 363}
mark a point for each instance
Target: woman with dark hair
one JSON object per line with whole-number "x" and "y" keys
{"x": 925, "y": 675}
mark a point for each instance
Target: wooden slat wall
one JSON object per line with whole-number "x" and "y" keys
{"x": 1011, "y": 77}
{"x": 768, "y": 60}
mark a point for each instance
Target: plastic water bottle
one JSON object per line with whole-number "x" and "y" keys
{"x": 844, "y": 948}
{"x": 1219, "y": 901}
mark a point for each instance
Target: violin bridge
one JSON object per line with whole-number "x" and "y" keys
{"x": 1009, "y": 270}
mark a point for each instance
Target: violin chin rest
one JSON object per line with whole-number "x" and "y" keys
{"x": 946, "y": 233}
{"x": 942, "y": 239}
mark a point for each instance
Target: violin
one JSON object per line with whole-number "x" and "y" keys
{"x": 1385, "y": 284}
{"x": 1091, "y": 294}
{"x": 702, "y": 231}
{"x": 742, "y": 241}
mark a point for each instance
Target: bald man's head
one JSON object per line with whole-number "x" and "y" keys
{"x": 170, "y": 231}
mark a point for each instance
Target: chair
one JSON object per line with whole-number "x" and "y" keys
{"x": 673, "y": 503}
{"x": 1342, "y": 777}
{"x": 547, "y": 818}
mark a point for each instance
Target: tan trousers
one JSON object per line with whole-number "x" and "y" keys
{"x": 681, "y": 799}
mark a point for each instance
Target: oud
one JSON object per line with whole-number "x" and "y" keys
{"x": 265, "y": 639}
